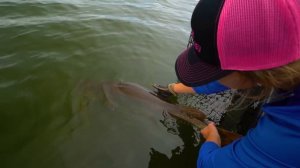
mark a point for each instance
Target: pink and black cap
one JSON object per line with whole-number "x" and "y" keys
{"x": 239, "y": 35}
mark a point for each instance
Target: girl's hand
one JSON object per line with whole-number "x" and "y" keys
{"x": 210, "y": 133}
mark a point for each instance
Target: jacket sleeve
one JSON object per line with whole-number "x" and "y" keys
{"x": 206, "y": 154}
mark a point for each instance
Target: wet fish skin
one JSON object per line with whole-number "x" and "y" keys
{"x": 190, "y": 115}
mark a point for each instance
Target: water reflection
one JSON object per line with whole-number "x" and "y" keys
{"x": 181, "y": 156}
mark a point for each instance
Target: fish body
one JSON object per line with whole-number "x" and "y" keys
{"x": 190, "y": 115}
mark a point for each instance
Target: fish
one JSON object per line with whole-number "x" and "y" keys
{"x": 190, "y": 115}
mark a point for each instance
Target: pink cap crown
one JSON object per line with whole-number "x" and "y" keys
{"x": 258, "y": 34}
{"x": 243, "y": 35}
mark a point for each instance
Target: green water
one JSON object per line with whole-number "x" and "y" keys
{"x": 48, "y": 48}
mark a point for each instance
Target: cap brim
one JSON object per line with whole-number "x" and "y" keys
{"x": 192, "y": 71}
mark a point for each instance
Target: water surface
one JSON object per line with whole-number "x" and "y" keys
{"x": 49, "y": 118}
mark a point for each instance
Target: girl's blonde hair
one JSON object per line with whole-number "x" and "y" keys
{"x": 283, "y": 78}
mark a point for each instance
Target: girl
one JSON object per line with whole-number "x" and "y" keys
{"x": 244, "y": 44}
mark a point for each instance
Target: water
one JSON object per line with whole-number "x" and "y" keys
{"x": 48, "y": 48}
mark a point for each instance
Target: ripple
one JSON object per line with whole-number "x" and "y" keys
{"x": 28, "y": 21}
{"x": 7, "y": 84}
{"x": 24, "y": 33}
{"x": 26, "y": 79}
{"x": 4, "y": 57}
{"x": 9, "y": 65}
{"x": 138, "y": 12}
